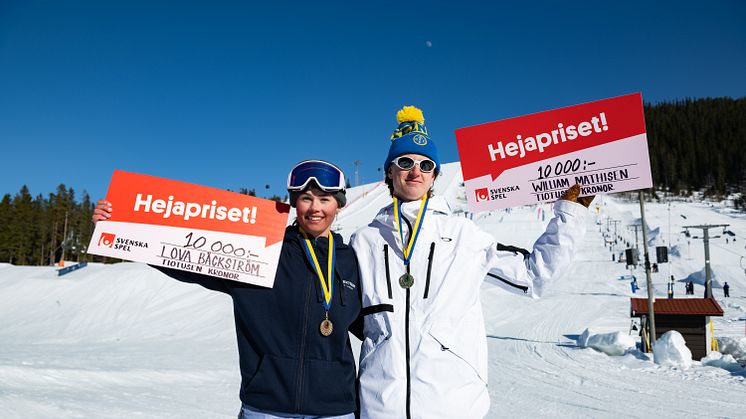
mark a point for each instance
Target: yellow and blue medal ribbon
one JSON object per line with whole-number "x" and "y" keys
{"x": 328, "y": 288}
{"x": 408, "y": 248}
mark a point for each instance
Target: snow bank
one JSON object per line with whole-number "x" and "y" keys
{"x": 726, "y": 362}
{"x": 653, "y": 236}
{"x": 700, "y": 276}
{"x": 614, "y": 344}
{"x": 674, "y": 250}
{"x": 670, "y": 351}
{"x": 734, "y": 346}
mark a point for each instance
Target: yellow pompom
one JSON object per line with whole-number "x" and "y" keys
{"x": 409, "y": 114}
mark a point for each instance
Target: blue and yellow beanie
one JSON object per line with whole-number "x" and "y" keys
{"x": 411, "y": 137}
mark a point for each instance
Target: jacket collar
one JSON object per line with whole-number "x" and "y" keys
{"x": 293, "y": 234}
{"x": 435, "y": 205}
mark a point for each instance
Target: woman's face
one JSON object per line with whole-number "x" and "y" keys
{"x": 316, "y": 210}
{"x": 410, "y": 185}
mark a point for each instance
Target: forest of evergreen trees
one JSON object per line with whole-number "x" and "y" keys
{"x": 42, "y": 230}
{"x": 698, "y": 145}
{"x": 694, "y": 145}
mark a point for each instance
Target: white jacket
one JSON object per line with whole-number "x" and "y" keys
{"x": 425, "y": 351}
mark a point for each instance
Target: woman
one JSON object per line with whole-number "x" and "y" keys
{"x": 424, "y": 354}
{"x": 293, "y": 345}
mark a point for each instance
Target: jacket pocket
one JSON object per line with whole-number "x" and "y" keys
{"x": 329, "y": 387}
{"x": 273, "y": 381}
{"x": 377, "y": 331}
{"x": 464, "y": 340}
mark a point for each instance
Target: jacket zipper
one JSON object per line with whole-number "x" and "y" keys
{"x": 503, "y": 248}
{"x": 386, "y": 261}
{"x": 406, "y": 337}
{"x": 429, "y": 268}
{"x": 406, "y": 332}
{"x": 302, "y": 349}
{"x": 520, "y": 287}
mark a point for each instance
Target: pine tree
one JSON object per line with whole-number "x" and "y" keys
{"x": 5, "y": 228}
{"x": 22, "y": 231}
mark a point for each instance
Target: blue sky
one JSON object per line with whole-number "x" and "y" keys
{"x": 232, "y": 94}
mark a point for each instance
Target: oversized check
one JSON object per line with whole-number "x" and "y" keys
{"x": 192, "y": 228}
{"x": 534, "y": 158}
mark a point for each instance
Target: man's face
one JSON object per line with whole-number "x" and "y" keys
{"x": 413, "y": 184}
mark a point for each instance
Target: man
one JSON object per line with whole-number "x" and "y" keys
{"x": 424, "y": 354}
{"x": 726, "y": 290}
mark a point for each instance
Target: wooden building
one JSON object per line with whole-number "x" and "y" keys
{"x": 688, "y": 316}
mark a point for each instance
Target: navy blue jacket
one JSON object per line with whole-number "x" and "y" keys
{"x": 286, "y": 364}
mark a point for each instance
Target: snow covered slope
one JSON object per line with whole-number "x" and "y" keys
{"x": 113, "y": 341}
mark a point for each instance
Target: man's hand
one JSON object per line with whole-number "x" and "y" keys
{"x": 572, "y": 196}
{"x": 102, "y": 212}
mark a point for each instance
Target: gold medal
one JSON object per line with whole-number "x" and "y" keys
{"x": 406, "y": 281}
{"x": 326, "y": 327}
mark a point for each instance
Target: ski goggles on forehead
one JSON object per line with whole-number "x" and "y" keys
{"x": 326, "y": 175}
{"x": 408, "y": 163}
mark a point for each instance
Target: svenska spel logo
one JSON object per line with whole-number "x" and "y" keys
{"x": 482, "y": 194}
{"x": 107, "y": 239}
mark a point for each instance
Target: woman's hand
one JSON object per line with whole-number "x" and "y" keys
{"x": 572, "y": 196}
{"x": 102, "y": 212}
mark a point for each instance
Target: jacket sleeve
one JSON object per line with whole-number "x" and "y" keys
{"x": 209, "y": 282}
{"x": 356, "y": 328}
{"x": 552, "y": 254}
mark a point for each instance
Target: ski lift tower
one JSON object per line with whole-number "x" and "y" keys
{"x": 635, "y": 227}
{"x": 651, "y": 295}
{"x": 706, "y": 240}
{"x": 615, "y": 222}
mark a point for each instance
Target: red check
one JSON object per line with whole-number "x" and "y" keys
{"x": 534, "y": 158}
{"x": 192, "y": 228}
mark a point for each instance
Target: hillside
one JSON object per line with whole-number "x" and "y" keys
{"x": 123, "y": 340}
